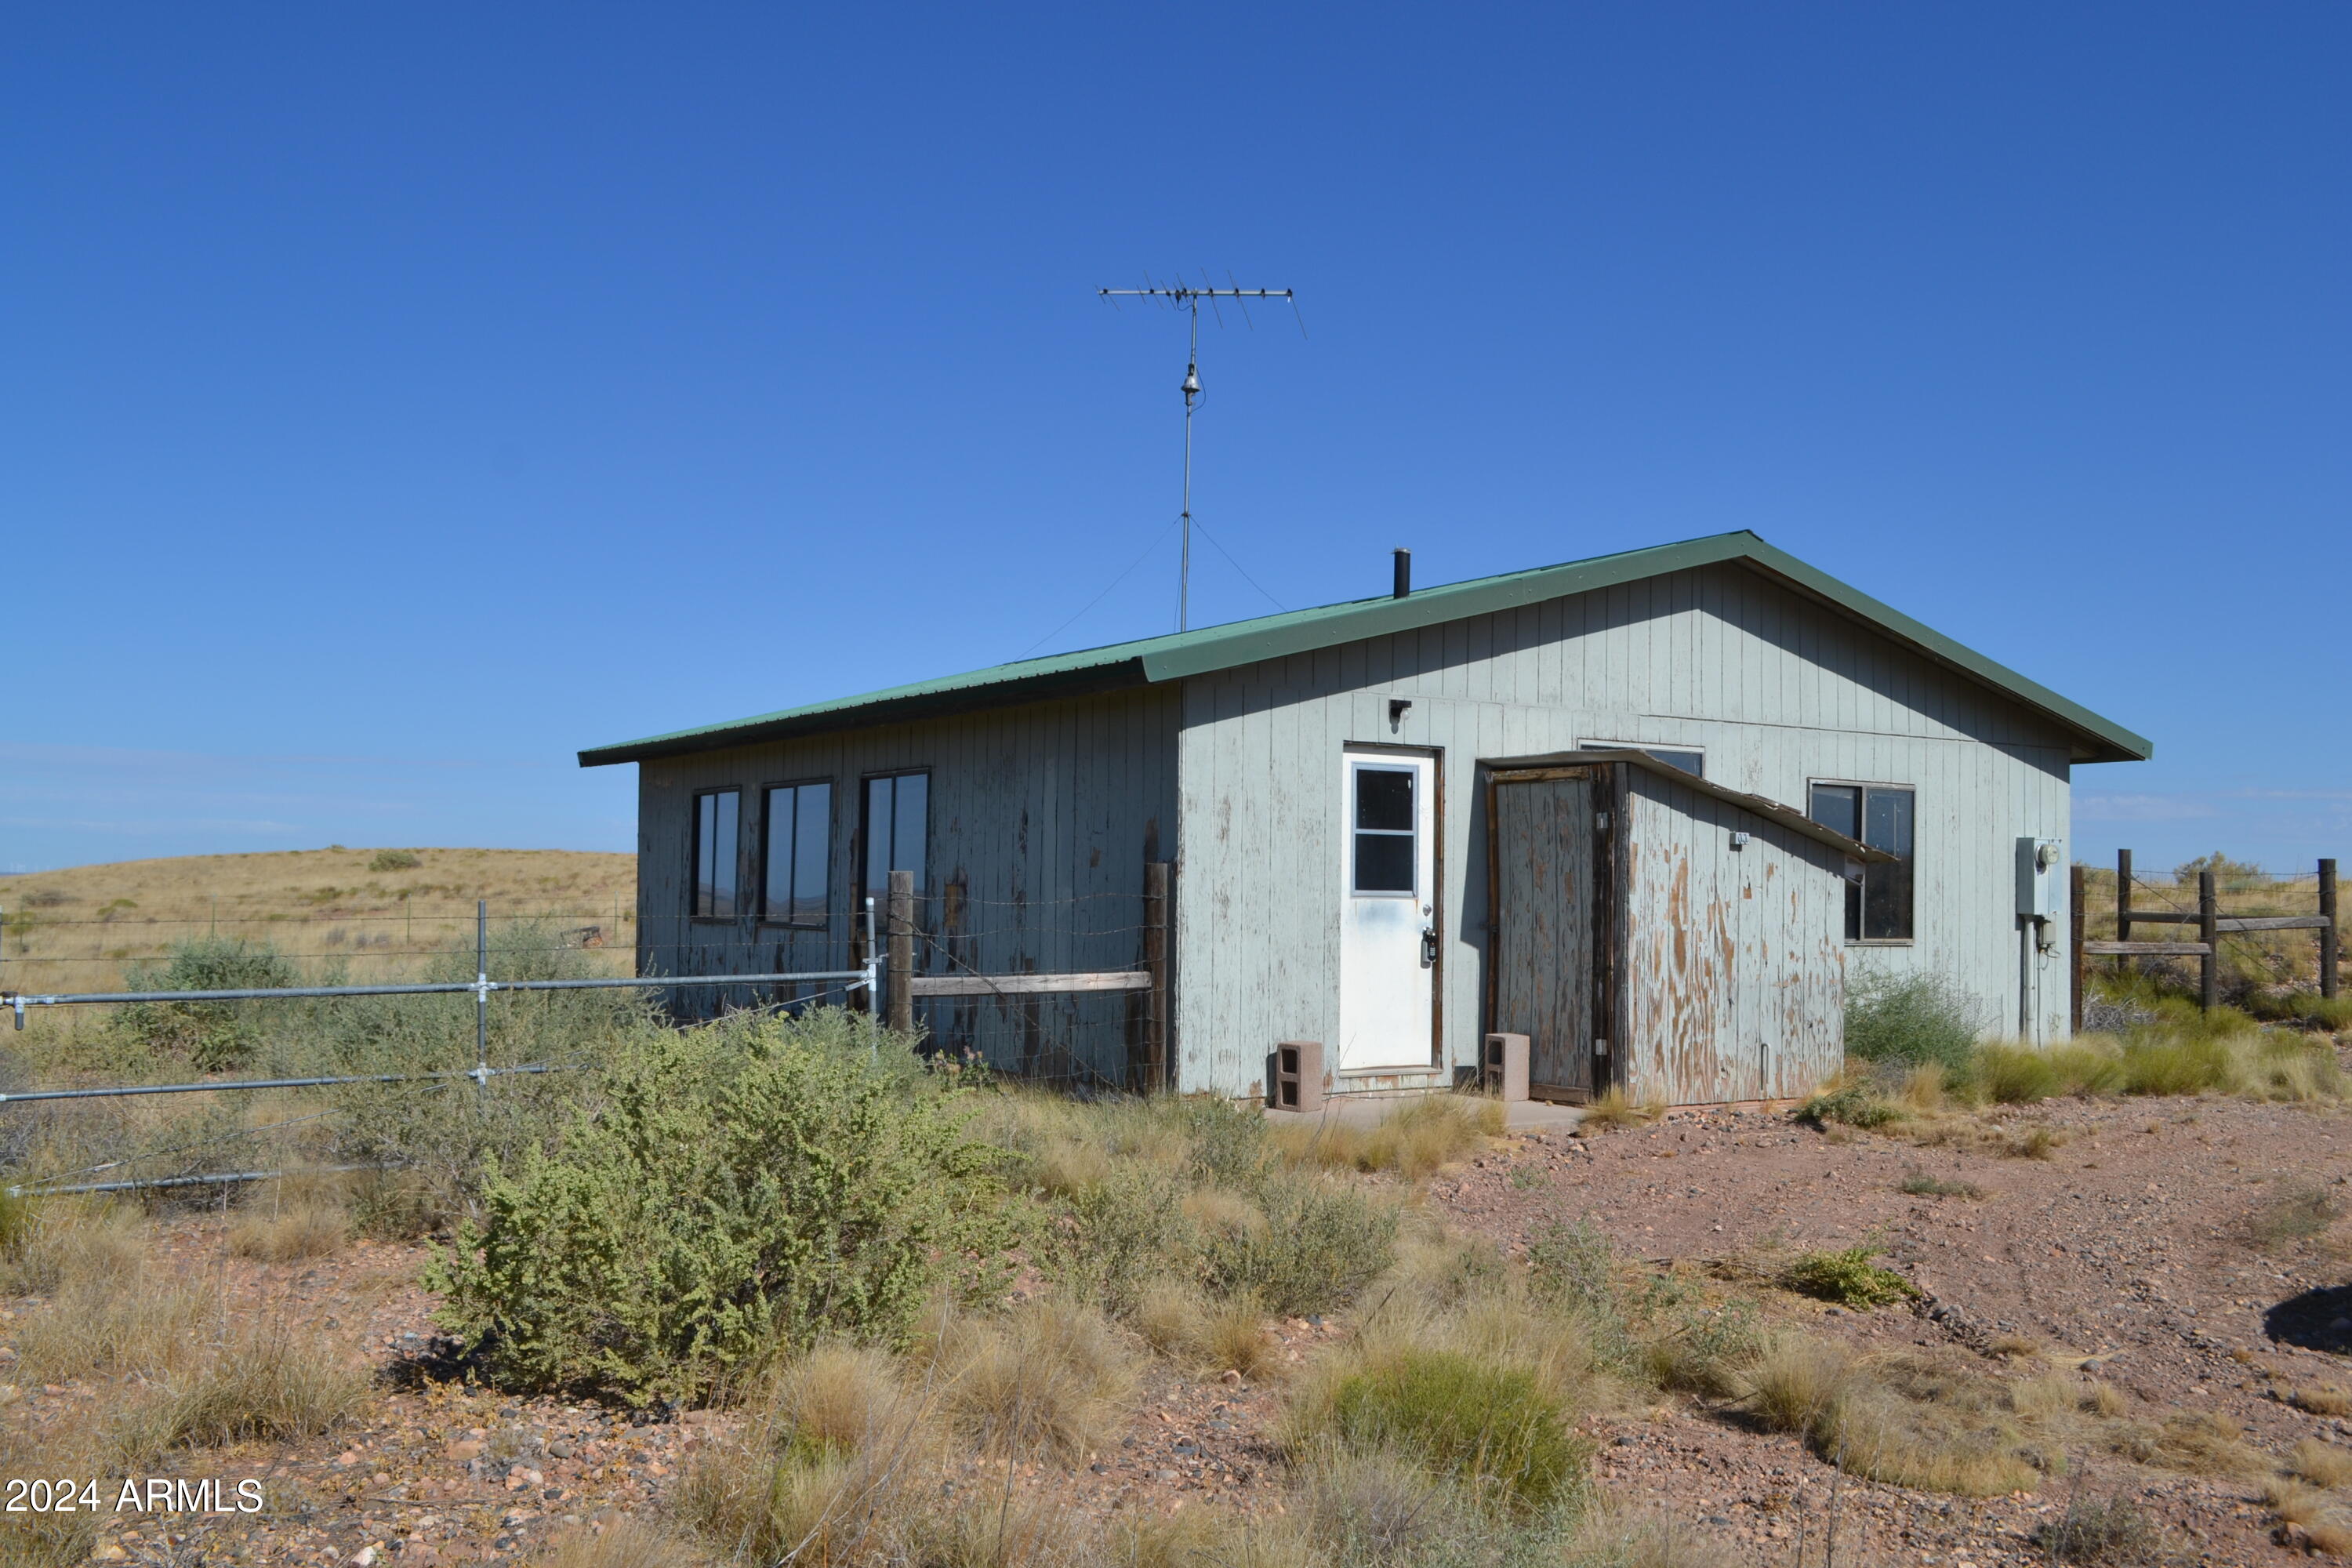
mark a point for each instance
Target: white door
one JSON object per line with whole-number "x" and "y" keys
{"x": 1388, "y": 895}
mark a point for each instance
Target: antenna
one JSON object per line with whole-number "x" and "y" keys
{"x": 1182, "y": 296}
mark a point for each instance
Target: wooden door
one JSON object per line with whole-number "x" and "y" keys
{"x": 1547, "y": 892}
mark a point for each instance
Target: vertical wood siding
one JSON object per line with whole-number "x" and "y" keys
{"x": 1776, "y": 690}
{"x": 1042, "y": 819}
{"x": 1734, "y": 958}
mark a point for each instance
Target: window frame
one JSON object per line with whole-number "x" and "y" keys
{"x": 693, "y": 857}
{"x": 864, "y": 850}
{"x": 1679, "y": 748}
{"x": 1861, "y": 820}
{"x": 1357, "y": 767}
{"x": 768, "y": 916}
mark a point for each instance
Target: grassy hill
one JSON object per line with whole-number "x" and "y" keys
{"x": 362, "y": 912}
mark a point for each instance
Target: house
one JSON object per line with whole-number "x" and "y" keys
{"x": 1653, "y": 810}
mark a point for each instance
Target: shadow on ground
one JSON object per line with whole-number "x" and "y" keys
{"x": 2316, "y": 1320}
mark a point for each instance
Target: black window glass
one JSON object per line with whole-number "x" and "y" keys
{"x": 1384, "y": 799}
{"x": 1881, "y": 908}
{"x": 1385, "y": 858}
{"x": 1384, "y": 863}
{"x": 1886, "y": 888}
{"x": 897, "y": 830}
{"x": 1838, "y": 808}
{"x": 799, "y": 837}
{"x": 715, "y": 846}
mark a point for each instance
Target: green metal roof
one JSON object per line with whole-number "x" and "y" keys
{"x": 1151, "y": 661}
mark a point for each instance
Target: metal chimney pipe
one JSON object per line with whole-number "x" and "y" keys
{"x": 1403, "y": 572}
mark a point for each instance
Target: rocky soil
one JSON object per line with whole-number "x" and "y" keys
{"x": 2146, "y": 1248}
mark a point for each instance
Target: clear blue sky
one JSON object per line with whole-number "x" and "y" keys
{"x": 398, "y": 399}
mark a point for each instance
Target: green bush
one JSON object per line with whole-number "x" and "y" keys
{"x": 1487, "y": 1425}
{"x": 395, "y": 860}
{"x": 1912, "y": 1019}
{"x": 211, "y": 1035}
{"x": 739, "y": 1191}
{"x": 1852, "y": 1105}
{"x": 1849, "y": 1279}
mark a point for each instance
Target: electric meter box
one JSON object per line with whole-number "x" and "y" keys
{"x": 2040, "y": 879}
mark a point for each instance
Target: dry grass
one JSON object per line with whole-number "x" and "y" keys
{"x": 112, "y": 1325}
{"x": 2321, "y": 1464}
{"x": 1610, "y": 1109}
{"x": 270, "y": 1382}
{"x": 292, "y": 1221}
{"x": 2200, "y": 1443}
{"x": 1623, "y": 1538}
{"x": 1049, "y": 1376}
{"x": 2317, "y": 1514}
{"x": 1919, "y": 1420}
{"x": 1421, "y": 1136}
{"x": 79, "y": 929}
{"x": 835, "y": 1458}
{"x": 625, "y": 1543}
{"x": 2322, "y": 1399}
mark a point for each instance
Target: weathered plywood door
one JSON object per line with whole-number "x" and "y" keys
{"x": 1388, "y": 896}
{"x": 1547, "y": 897}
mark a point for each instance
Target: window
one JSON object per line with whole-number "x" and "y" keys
{"x": 1879, "y": 909}
{"x": 897, "y": 831}
{"x": 1386, "y": 819}
{"x": 714, "y": 816}
{"x": 1692, "y": 762}
{"x": 798, "y": 833}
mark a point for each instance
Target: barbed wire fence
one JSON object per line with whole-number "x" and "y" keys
{"x": 2247, "y": 928}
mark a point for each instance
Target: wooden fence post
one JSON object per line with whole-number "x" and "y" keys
{"x": 2123, "y": 905}
{"x": 2075, "y": 949}
{"x": 1155, "y": 959}
{"x": 899, "y": 985}
{"x": 2330, "y": 944}
{"x": 2209, "y": 931}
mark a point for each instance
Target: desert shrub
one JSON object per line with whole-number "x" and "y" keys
{"x": 2229, "y": 876}
{"x": 1382, "y": 1509}
{"x": 1920, "y": 1185}
{"x": 2321, "y": 1399}
{"x": 1854, "y": 1103}
{"x": 1321, "y": 1243}
{"x": 395, "y": 860}
{"x": 736, "y": 1190}
{"x": 2319, "y": 1521}
{"x": 210, "y": 1035}
{"x": 1848, "y": 1277}
{"x": 1911, "y": 1019}
{"x": 1489, "y": 1427}
{"x": 2013, "y": 1075}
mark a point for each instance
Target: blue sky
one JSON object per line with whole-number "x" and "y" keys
{"x": 397, "y": 400}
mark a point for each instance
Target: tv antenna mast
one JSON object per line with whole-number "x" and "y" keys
{"x": 1182, "y": 296}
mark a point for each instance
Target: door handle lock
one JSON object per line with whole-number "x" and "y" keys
{"x": 1428, "y": 947}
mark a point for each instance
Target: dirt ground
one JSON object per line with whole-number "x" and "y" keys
{"x": 2134, "y": 1249}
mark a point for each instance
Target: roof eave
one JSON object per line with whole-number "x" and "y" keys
{"x": 854, "y": 714}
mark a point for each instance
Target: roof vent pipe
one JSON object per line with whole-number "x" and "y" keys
{"x": 1403, "y": 572}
